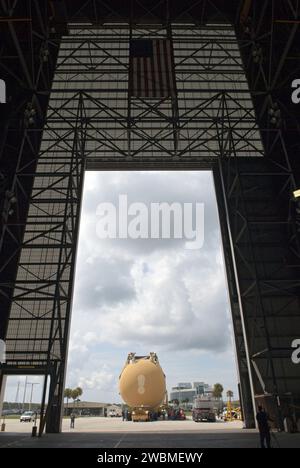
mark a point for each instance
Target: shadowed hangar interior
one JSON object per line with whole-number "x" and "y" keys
{"x": 71, "y": 106}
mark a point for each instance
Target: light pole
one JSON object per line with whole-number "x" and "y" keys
{"x": 24, "y": 395}
{"x": 17, "y": 395}
{"x": 32, "y": 384}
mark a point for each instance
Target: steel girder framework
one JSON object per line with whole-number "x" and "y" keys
{"x": 92, "y": 66}
{"x": 27, "y": 60}
{"x": 269, "y": 223}
{"x": 91, "y": 125}
{"x": 38, "y": 328}
{"x": 262, "y": 238}
{"x": 127, "y": 130}
{"x": 269, "y": 38}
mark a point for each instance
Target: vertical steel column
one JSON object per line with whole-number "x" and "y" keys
{"x": 70, "y": 234}
{"x": 240, "y": 336}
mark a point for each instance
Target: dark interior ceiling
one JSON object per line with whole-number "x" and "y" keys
{"x": 271, "y": 27}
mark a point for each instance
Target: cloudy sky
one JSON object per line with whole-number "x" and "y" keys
{"x": 147, "y": 295}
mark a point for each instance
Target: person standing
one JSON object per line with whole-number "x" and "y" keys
{"x": 263, "y": 427}
{"x": 72, "y": 424}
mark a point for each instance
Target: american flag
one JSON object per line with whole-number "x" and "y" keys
{"x": 151, "y": 68}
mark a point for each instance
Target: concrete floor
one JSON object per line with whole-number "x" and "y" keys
{"x": 114, "y": 433}
{"x": 95, "y": 424}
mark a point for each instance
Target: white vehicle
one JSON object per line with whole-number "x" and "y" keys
{"x": 114, "y": 413}
{"x": 203, "y": 409}
{"x": 28, "y": 416}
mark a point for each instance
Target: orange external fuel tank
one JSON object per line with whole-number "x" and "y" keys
{"x": 142, "y": 382}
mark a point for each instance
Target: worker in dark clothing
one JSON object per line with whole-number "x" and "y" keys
{"x": 263, "y": 427}
{"x": 72, "y": 417}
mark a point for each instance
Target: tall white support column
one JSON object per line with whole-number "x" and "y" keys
{"x": 3, "y": 379}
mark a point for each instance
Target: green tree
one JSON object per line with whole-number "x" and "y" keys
{"x": 76, "y": 393}
{"x": 229, "y": 394}
{"x": 68, "y": 394}
{"x": 218, "y": 390}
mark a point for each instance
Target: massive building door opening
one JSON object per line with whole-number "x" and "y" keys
{"x": 150, "y": 283}
{"x": 101, "y": 117}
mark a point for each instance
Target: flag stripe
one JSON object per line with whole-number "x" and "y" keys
{"x": 146, "y": 78}
{"x": 156, "y": 45}
{"x": 162, "y": 56}
{"x": 134, "y": 75}
{"x": 149, "y": 72}
{"x": 155, "y": 69}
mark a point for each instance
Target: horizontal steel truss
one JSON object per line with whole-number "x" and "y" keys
{"x": 122, "y": 129}
{"x": 59, "y": 142}
{"x": 38, "y": 327}
{"x": 38, "y": 282}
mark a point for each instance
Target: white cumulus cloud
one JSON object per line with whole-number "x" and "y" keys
{"x": 146, "y": 294}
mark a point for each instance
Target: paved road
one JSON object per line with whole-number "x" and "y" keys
{"x": 114, "y": 433}
{"x": 96, "y": 424}
{"x": 146, "y": 440}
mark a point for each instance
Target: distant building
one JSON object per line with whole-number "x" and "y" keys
{"x": 185, "y": 392}
{"x": 91, "y": 408}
